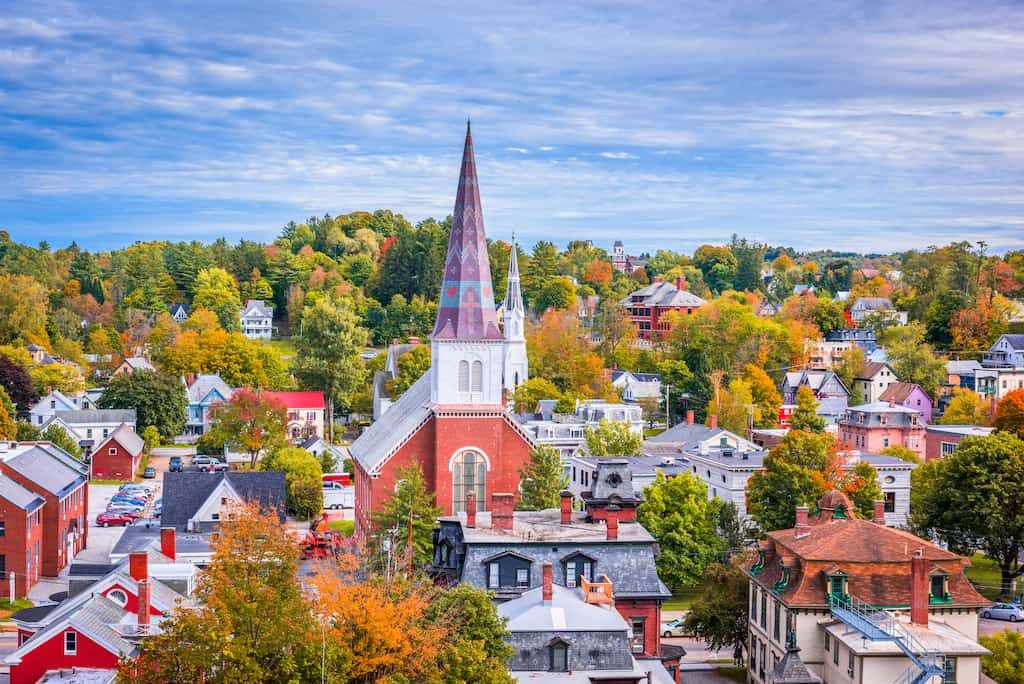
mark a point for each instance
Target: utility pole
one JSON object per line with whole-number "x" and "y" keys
{"x": 408, "y": 547}
{"x": 668, "y": 407}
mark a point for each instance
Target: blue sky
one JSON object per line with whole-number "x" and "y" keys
{"x": 866, "y": 126}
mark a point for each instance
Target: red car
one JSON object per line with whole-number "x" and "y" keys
{"x": 114, "y": 518}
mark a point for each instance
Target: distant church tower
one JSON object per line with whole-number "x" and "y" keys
{"x": 467, "y": 346}
{"x": 517, "y": 368}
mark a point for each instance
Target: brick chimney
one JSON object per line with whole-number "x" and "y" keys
{"x": 689, "y": 417}
{"x": 566, "y": 506}
{"x": 713, "y": 421}
{"x": 138, "y": 565}
{"x": 143, "y": 610}
{"x": 546, "y": 582}
{"x": 680, "y": 283}
{"x": 612, "y": 524}
{"x": 501, "y": 511}
{"x": 471, "y": 510}
{"x": 168, "y": 543}
{"x": 879, "y": 516}
{"x": 801, "y": 528}
{"x": 919, "y": 589}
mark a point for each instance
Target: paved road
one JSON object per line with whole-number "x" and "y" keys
{"x": 989, "y": 627}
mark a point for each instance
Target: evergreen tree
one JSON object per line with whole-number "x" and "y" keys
{"x": 158, "y": 400}
{"x": 805, "y": 416}
{"x": 542, "y": 480}
{"x": 411, "y": 507}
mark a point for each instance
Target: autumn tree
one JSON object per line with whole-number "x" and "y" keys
{"x": 16, "y": 382}
{"x": 475, "y": 649}
{"x": 764, "y": 394}
{"x": 734, "y": 407}
{"x": 542, "y": 480}
{"x": 251, "y": 420}
{"x": 23, "y": 304}
{"x": 805, "y": 416}
{"x": 8, "y": 428}
{"x": 598, "y": 273}
{"x": 612, "y": 438}
{"x": 250, "y": 621}
{"x": 58, "y": 376}
{"x": 527, "y": 395}
{"x": 967, "y": 408}
{"x": 410, "y": 507}
{"x": 217, "y": 291}
{"x": 1005, "y": 661}
{"x": 1009, "y": 416}
{"x": 559, "y": 352}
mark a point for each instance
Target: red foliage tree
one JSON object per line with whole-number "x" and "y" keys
{"x": 1010, "y": 413}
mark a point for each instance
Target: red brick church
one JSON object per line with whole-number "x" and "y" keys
{"x": 454, "y": 421}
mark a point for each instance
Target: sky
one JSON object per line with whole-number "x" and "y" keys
{"x": 872, "y": 126}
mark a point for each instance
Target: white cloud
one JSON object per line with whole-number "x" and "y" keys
{"x": 618, "y": 155}
{"x": 520, "y": 150}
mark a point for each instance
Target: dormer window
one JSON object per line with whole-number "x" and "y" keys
{"x": 939, "y": 588}
{"x": 558, "y": 652}
{"x": 576, "y": 566}
{"x": 508, "y": 571}
{"x": 443, "y": 553}
{"x": 837, "y": 585}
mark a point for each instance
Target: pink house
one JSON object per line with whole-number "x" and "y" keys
{"x": 910, "y": 395}
{"x": 879, "y": 425}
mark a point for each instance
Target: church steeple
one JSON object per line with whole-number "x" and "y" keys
{"x": 466, "y": 309}
{"x": 513, "y": 295}
{"x": 515, "y": 368}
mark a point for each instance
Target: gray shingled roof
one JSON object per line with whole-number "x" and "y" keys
{"x": 664, "y": 294}
{"x": 18, "y": 495}
{"x": 185, "y": 492}
{"x": 685, "y": 433}
{"x": 204, "y": 384}
{"x": 49, "y": 467}
{"x": 791, "y": 670}
{"x": 567, "y": 612}
{"x": 1016, "y": 341}
{"x": 379, "y": 441}
{"x": 96, "y": 416}
{"x": 256, "y": 307}
{"x": 127, "y": 438}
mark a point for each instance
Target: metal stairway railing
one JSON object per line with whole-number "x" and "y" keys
{"x": 881, "y": 625}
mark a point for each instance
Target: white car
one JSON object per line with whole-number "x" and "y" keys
{"x": 1003, "y": 611}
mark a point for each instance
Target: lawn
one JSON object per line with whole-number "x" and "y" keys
{"x": 346, "y": 527}
{"x": 285, "y": 347}
{"x": 681, "y": 600}
{"x": 984, "y": 575}
{"x": 7, "y": 608}
{"x": 737, "y": 674}
{"x": 652, "y": 432}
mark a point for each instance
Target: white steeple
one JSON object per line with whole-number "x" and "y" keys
{"x": 516, "y": 366}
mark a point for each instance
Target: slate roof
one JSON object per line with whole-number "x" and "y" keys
{"x": 962, "y": 430}
{"x": 59, "y": 397}
{"x": 873, "y": 303}
{"x": 127, "y": 438}
{"x": 379, "y": 441}
{"x": 206, "y": 383}
{"x": 95, "y": 416}
{"x": 255, "y": 308}
{"x": 185, "y": 492}
{"x": 664, "y": 294}
{"x": 899, "y": 392}
{"x": 19, "y": 496}
{"x": 566, "y": 612}
{"x": 881, "y": 407}
{"x": 139, "y": 363}
{"x": 962, "y": 367}
{"x": 791, "y": 670}
{"x": 645, "y": 465}
{"x": 48, "y": 466}
{"x": 93, "y": 618}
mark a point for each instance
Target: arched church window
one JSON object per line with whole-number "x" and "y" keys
{"x": 463, "y": 376}
{"x": 469, "y": 474}
{"x": 478, "y": 376}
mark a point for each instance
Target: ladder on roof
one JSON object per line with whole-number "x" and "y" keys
{"x": 881, "y": 625}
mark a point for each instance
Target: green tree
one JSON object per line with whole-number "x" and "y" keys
{"x": 217, "y": 291}
{"x": 1005, "y": 663}
{"x": 302, "y": 475}
{"x": 612, "y": 438}
{"x": 411, "y": 367}
{"x": 151, "y": 438}
{"x": 542, "y": 480}
{"x": 902, "y": 453}
{"x": 972, "y": 501}
{"x": 967, "y": 408}
{"x": 939, "y": 316}
{"x": 556, "y": 293}
{"x": 677, "y": 513}
{"x": 159, "y": 401}
{"x": 60, "y": 437}
{"x": 719, "y": 616}
{"x": 847, "y": 369}
{"x": 411, "y": 506}
{"x": 913, "y": 359}
{"x": 475, "y": 649}
{"x": 251, "y": 420}
{"x": 805, "y": 416}
{"x": 775, "y": 492}
{"x": 861, "y": 485}
{"x": 532, "y": 391}
{"x": 327, "y": 354}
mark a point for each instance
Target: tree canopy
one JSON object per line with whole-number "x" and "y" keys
{"x": 158, "y": 400}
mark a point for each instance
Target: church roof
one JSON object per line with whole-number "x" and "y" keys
{"x": 379, "y": 441}
{"x": 466, "y": 310}
{"x": 513, "y": 295}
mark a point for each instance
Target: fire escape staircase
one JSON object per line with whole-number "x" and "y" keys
{"x": 881, "y": 625}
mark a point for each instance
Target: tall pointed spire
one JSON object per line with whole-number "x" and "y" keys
{"x": 513, "y": 295}
{"x": 466, "y": 310}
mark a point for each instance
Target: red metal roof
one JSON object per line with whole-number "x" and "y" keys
{"x": 299, "y": 400}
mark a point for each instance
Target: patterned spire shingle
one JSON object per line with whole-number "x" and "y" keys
{"x": 466, "y": 310}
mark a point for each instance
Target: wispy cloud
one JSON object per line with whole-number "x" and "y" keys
{"x": 618, "y": 155}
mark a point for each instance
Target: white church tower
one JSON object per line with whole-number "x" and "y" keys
{"x": 516, "y": 368}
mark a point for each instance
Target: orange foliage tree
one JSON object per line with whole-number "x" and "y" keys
{"x": 598, "y": 273}
{"x": 1009, "y": 415}
{"x": 559, "y": 351}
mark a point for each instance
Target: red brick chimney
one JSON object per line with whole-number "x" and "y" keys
{"x": 501, "y": 511}
{"x": 612, "y": 523}
{"x": 680, "y": 283}
{"x": 713, "y": 421}
{"x": 919, "y": 588}
{"x": 689, "y": 417}
{"x": 143, "y": 611}
{"x": 471, "y": 510}
{"x": 138, "y": 565}
{"x": 168, "y": 543}
{"x": 879, "y": 516}
{"x": 546, "y": 582}
{"x": 801, "y": 528}
{"x": 566, "y": 507}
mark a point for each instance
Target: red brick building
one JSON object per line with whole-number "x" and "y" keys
{"x": 648, "y": 307}
{"x": 118, "y": 456}
{"x": 943, "y": 440}
{"x": 60, "y": 479}
{"x": 21, "y": 534}
{"x": 453, "y": 422}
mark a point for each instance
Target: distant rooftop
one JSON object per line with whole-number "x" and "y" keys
{"x": 543, "y": 526}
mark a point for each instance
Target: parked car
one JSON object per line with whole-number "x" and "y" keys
{"x": 135, "y": 491}
{"x": 158, "y": 507}
{"x": 209, "y": 463}
{"x": 149, "y": 472}
{"x": 129, "y": 499}
{"x": 1003, "y": 611}
{"x": 114, "y": 518}
{"x": 675, "y": 628}
{"x": 125, "y": 510}
{"x": 176, "y": 464}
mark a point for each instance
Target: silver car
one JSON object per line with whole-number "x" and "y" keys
{"x": 1003, "y": 611}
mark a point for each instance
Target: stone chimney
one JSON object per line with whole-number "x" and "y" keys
{"x": 138, "y": 565}
{"x": 879, "y": 516}
{"x": 143, "y": 610}
{"x": 471, "y": 510}
{"x": 566, "y": 507}
{"x": 689, "y": 417}
{"x": 802, "y": 528}
{"x": 168, "y": 543}
{"x": 612, "y": 524}
{"x": 546, "y": 583}
{"x": 501, "y": 511}
{"x": 713, "y": 421}
{"x": 919, "y": 588}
